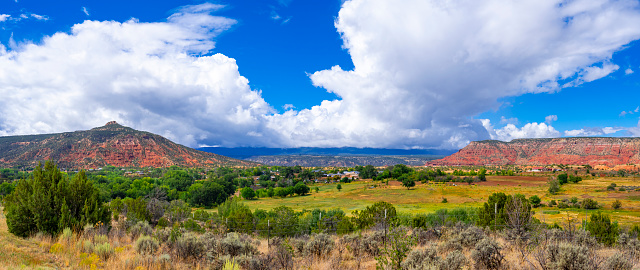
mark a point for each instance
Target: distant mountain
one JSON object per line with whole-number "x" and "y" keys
{"x": 247, "y": 152}
{"x": 112, "y": 144}
{"x": 331, "y": 157}
{"x": 575, "y": 151}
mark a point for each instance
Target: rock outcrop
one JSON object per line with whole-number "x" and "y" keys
{"x": 112, "y": 144}
{"x": 577, "y": 151}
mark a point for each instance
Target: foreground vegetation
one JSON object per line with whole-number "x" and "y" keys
{"x": 432, "y": 219}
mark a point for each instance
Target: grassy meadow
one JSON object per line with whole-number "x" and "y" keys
{"x": 427, "y": 198}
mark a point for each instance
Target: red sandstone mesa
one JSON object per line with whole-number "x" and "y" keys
{"x": 579, "y": 151}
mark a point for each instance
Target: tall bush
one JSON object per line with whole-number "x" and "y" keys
{"x": 49, "y": 201}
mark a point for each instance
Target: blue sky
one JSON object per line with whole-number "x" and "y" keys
{"x": 291, "y": 73}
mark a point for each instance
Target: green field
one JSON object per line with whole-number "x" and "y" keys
{"x": 426, "y": 198}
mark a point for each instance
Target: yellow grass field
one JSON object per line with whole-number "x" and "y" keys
{"x": 426, "y": 198}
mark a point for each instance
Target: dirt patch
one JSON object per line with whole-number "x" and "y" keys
{"x": 632, "y": 195}
{"x": 514, "y": 181}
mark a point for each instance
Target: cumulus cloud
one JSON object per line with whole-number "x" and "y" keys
{"x": 529, "y": 130}
{"x": 423, "y": 69}
{"x": 146, "y": 75}
{"x": 85, "y": 10}
{"x": 513, "y": 120}
{"x": 595, "y": 131}
{"x": 288, "y": 106}
{"x": 624, "y": 113}
{"x": 628, "y": 71}
{"x": 550, "y": 119}
{"x": 4, "y": 17}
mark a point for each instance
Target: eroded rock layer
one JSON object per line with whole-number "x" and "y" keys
{"x": 577, "y": 151}
{"x": 112, "y": 144}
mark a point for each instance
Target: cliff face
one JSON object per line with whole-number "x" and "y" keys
{"x": 111, "y": 144}
{"x": 578, "y": 151}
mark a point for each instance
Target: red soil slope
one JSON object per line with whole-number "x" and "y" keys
{"x": 111, "y": 144}
{"x": 578, "y": 151}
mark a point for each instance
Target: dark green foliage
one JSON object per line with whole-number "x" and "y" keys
{"x": 554, "y": 186}
{"x": 241, "y": 220}
{"x": 248, "y": 193}
{"x": 178, "y": 179}
{"x": 408, "y": 182}
{"x": 601, "y": 227}
{"x": 339, "y": 187}
{"x": 367, "y": 172}
{"x": 616, "y": 204}
{"x": 6, "y": 188}
{"x": 589, "y": 203}
{"x": 535, "y": 200}
{"x": 487, "y": 214}
{"x": 301, "y": 189}
{"x": 378, "y": 213}
{"x": 562, "y": 178}
{"x": 48, "y": 202}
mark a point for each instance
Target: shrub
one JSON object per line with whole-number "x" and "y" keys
{"x": 146, "y": 245}
{"x": 600, "y": 226}
{"x": 567, "y": 256}
{"x": 235, "y": 244}
{"x": 320, "y": 246}
{"x": 552, "y": 202}
{"x": 455, "y": 260}
{"x": 589, "y": 203}
{"x": 618, "y": 262}
{"x": 611, "y": 187}
{"x": 535, "y": 200}
{"x": 66, "y": 235}
{"x": 396, "y": 249}
{"x": 444, "y": 200}
{"x": 100, "y": 238}
{"x": 192, "y": 225}
{"x": 85, "y": 246}
{"x": 189, "y": 246}
{"x": 421, "y": 259}
{"x": 554, "y": 186}
{"x": 421, "y": 236}
{"x": 487, "y": 254}
{"x": 141, "y": 228}
{"x": 104, "y": 251}
{"x": 616, "y": 204}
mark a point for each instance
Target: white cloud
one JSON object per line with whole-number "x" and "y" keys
{"x": 288, "y": 106}
{"x": 550, "y": 119}
{"x": 529, "y": 130}
{"x": 628, "y": 71}
{"x": 4, "y": 17}
{"x": 504, "y": 120}
{"x": 423, "y": 69}
{"x": 145, "y": 75}
{"x": 275, "y": 16}
{"x": 85, "y": 10}
{"x": 39, "y": 17}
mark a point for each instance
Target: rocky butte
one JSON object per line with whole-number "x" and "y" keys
{"x": 112, "y": 144}
{"x": 576, "y": 151}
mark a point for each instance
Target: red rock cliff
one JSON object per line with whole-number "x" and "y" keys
{"x": 578, "y": 151}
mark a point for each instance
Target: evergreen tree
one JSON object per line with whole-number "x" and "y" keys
{"x": 48, "y": 202}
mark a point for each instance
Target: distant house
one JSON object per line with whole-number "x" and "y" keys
{"x": 352, "y": 174}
